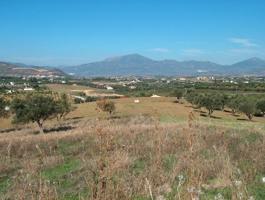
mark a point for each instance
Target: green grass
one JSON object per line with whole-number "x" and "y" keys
{"x": 257, "y": 188}
{"x": 138, "y": 166}
{"x": 5, "y": 182}
{"x": 169, "y": 162}
{"x": 66, "y": 186}
{"x": 171, "y": 119}
{"x": 59, "y": 171}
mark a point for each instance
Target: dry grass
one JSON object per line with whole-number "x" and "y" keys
{"x": 133, "y": 158}
{"x": 164, "y": 109}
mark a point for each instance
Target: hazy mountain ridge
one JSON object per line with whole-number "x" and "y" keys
{"x": 20, "y": 69}
{"x": 135, "y": 64}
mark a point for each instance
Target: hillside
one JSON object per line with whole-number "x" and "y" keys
{"x": 17, "y": 69}
{"x": 135, "y": 64}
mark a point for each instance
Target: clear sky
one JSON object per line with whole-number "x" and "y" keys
{"x": 66, "y": 32}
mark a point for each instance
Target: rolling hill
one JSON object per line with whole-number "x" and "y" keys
{"x": 18, "y": 69}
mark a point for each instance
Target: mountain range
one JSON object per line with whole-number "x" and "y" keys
{"x": 138, "y": 65}
{"x": 135, "y": 64}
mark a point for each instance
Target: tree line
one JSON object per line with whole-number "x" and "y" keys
{"x": 248, "y": 105}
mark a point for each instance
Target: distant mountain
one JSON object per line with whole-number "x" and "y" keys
{"x": 19, "y": 69}
{"x": 135, "y": 64}
{"x": 138, "y": 65}
{"x": 252, "y": 66}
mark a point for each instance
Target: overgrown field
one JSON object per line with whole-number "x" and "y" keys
{"x": 135, "y": 158}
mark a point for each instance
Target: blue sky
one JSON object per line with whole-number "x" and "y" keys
{"x": 67, "y": 32}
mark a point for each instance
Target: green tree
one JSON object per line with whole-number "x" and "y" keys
{"x": 63, "y": 106}
{"x": 248, "y": 107}
{"x": 178, "y": 93}
{"x": 106, "y": 106}
{"x": 34, "y": 108}
{"x": 223, "y": 100}
{"x": 211, "y": 102}
{"x": 233, "y": 103}
{"x": 192, "y": 98}
{"x": 261, "y": 106}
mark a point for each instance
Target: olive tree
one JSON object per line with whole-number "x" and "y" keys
{"x": 178, "y": 93}
{"x": 210, "y": 102}
{"x": 34, "y": 108}
{"x": 63, "y": 106}
{"x": 248, "y": 107}
{"x": 233, "y": 103}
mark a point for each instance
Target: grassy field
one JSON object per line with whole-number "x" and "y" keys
{"x": 154, "y": 149}
{"x": 136, "y": 158}
{"x": 164, "y": 109}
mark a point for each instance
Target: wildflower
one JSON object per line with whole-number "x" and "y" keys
{"x": 238, "y": 183}
{"x": 181, "y": 179}
{"x": 251, "y": 198}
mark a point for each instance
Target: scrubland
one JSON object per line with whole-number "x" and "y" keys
{"x": 135, "y": 157}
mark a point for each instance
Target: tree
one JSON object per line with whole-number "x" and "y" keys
{"x": 223, "y": 100}
{"x": 248, "y": 107}
{"x": 211, "y": 102}
{"x": 178, "y": 93}
{"x": 192, "y": 98}
{"x": 63, "y": 106}
{"x": 34, "y": 108}
{"x": 233, "y": 104}
{"x": 106, "y": 106}
{"x": 3, "y": 107}
{"x": 261, "y": 106}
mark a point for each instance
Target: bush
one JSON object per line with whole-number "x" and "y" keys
{"x": 106, "y": 106}
{"x": 91, "y": 99}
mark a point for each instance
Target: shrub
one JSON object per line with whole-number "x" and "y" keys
{"x": 91, "y": 99}
{"x": 106, "y": 106}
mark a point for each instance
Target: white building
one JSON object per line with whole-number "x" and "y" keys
{"x": 109, "y": 88}
{"x": 28, "y": 89}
